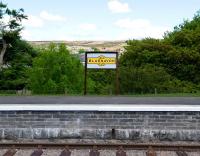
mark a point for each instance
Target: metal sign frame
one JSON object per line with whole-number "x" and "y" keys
{"x": 116, "y": 69}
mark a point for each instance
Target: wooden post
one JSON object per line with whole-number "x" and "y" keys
{"x": 117, "y": 74}
{"x": 85, "y": 78}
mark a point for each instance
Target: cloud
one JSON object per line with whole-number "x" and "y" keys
{"x": 33, "y": 21}
{"x": 39, "y": 20}
{"x": 51, "y": 17}
{"x": 115, "y": 6}
{"x": 127, "y": 23}
{"x": 87, "y": 27}
{"x": 26, "y": 34}
{"x": 140, "y": 28}
{"x": 46, "y": 35}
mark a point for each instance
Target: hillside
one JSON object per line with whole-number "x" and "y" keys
{"x": 75, "y": 46}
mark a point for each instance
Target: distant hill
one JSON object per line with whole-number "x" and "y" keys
{"x": 75, "y": 46}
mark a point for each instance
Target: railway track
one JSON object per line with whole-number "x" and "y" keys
{"x": 59, "y": 149}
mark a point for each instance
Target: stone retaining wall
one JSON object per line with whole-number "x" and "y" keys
{"x": 137, "y": 126}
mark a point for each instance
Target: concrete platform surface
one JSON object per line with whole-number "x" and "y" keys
{"x": 98, "y": 100}
{"x": 76, "y": 103}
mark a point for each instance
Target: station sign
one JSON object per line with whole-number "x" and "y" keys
{"x": 101, "y": 60}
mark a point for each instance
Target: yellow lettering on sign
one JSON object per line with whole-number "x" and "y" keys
{"x": 101, "y": 60}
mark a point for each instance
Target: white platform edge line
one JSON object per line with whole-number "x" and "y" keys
{"x": 97, "y": 107}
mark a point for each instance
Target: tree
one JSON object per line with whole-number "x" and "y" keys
{"x": 81, "y": 51}
{"x": 55, "y": 71}
{"x": 8, "y": 28}
{"x": 184, "y": 59}
{"x": 15, "y": 54}
{"x": 18, "y": 59}
{"x": 151, "y": 64}
{"x": 101, "y": 81}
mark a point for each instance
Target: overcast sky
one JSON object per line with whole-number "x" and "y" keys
{"x": 102, "y": 19}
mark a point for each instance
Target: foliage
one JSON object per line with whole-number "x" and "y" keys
{"x": 169, "y": 65}
{"x": 13, "y": 76}
{"x": 151, "y": 79}
{"x": 10, "y": 27}
{"x": 17, "y": 57}
{"x": 15, "y": 18}
{"x": 81, "y": 51}
{"x": 95, "y": 49}
{"x": 185, "y": 58}
{"x": 101, "y": 82}
{"x": 55, "y": 71}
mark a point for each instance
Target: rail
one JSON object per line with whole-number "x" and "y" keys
{"x": 120, "y": 149}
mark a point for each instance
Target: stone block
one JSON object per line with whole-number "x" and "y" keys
{"x": 40, "y": 133}
{"x": 70, "y": 134}
{"x": 27, "y": 133}
{"x": 53, "y": 133}
{"x": 12, "y": 134}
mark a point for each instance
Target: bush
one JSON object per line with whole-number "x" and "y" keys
{"x": 55, "y": 71}
{"x": 151, "y": 79}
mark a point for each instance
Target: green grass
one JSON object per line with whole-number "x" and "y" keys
{"x": 129, "y": 95}
{"x": 166, "y": 95}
